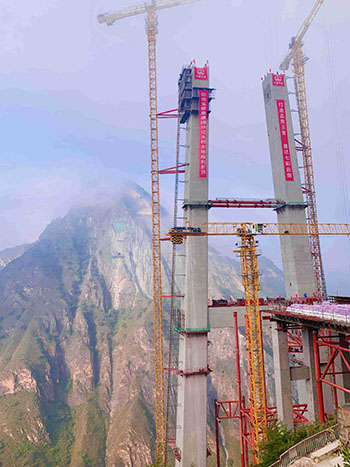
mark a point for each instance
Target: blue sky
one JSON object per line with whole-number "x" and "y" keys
{"x": 74, "y": 104}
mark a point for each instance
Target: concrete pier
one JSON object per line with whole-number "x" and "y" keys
{"x": 282, "y": 375}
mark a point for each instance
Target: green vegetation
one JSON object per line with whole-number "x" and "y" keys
{"x": 89, "y": 434}
{"x": 78, "y": 435}
{"x": 20, "y": 414}
{"x": 87, "y": 461}
{"x": 59, "y": 424}
{"x": 280, "y": 439}
{"x": 345, "y": 452}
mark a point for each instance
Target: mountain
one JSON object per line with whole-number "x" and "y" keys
{"x": 76, "y": 380}
{"x": 8, "y": 255}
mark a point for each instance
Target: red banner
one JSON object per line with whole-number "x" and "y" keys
{"x": 288, "y": 170}
{"x": 203, "y": 130}
{"x": 278, "y": 80}
{"x": 201, "y": 73}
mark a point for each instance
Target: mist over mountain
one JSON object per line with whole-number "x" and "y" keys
{"x": 76, "y": 330}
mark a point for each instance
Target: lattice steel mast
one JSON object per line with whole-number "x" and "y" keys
{"x": 173, "y": 336}
{"x": 149, "y": 9}
{"x": 296, "y": 55}
{"x": 256, "y": 370}
{"x": 151, "y": 22}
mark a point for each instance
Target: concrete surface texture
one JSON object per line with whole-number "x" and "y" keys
{"x": 191, "y": 434}
{"x": 343, "y": 417}
{"x": 296, "y": 253}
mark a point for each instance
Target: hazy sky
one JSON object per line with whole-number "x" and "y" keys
{"x": 74, "y": 104}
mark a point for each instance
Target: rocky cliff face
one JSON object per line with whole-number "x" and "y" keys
{"x": 76, "y": 382}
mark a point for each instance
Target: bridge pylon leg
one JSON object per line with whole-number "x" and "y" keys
{"x": 283, "y": 387}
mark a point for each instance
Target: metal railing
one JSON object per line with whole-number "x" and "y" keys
{"x": 307, "y": 446}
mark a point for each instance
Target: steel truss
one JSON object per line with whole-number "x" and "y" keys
{"x": 339, "y": 352}
{"x": 309, "y": 179}
{"x": 236, "y": 409}
{"x": 256, "y": 371}
{"x": 151, "y": 24}
{"x": 296, "y": 55}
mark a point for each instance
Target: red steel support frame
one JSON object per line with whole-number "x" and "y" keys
{"x": 227, "y": 410}
{"x": 329, "y": 337}
{"x": 239, "y": 387}
{"x": 243, "y": 203}
{"x": 318, "y": 379}
{"x": 295, "y": 342}
{"x": 337, "y": 349}
{"x": 238, "y": 406}
{"x": 217, "y": 410}
{"x": 177, "y": 169}
{"x": 236, "y": 409}
{"x": 168, "y": 114}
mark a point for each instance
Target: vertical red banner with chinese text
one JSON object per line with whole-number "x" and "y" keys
{"x": 288, "y": 170}
{"x": 203, "y": 130}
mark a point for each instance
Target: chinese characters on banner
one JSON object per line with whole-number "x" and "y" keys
{"x": 288, "y": 171}
{"x": 203, "y": 127}
{"x": 201, "y": 73}
{"x": 278, "y": 80}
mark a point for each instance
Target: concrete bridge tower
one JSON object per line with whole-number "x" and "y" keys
{"x": 191, "y": 434}
{"x": 296, "y": 253}
{"x": 295, "y": 250}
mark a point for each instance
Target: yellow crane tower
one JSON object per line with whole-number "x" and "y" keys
{"x": 256, "y": 371}
{"x": 149, "y": 8}
{"x": 296, "y": 55}
{"x": 250, "y": 279}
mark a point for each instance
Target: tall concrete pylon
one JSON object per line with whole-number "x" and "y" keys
{"x": 296, "y": 254}
{"x": 191, "y": 433}
{"x": 295, "y": 250}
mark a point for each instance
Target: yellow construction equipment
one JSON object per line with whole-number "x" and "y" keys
{"x": 150, "y": 8}
{"x": 236, "y": 228}
{"x": 250, "y": 280}
{"x": 268, "y": 228}
{"x": 256, "y": 373}
{"x": 296, "y": 55}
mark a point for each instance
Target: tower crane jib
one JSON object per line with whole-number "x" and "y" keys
{"x": 301, "y": 33}
{"x": 142, "y": 8}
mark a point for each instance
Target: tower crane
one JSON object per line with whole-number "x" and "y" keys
{"x": 149, "y": 8}
{"x": 296, "y": 55}
{"x": 250, "y": 280}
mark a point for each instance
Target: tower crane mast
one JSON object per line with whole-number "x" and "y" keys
{"x": 149, "y": 8}
{"x": 296, "y": 55}
{"x": 256, "y": 370}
